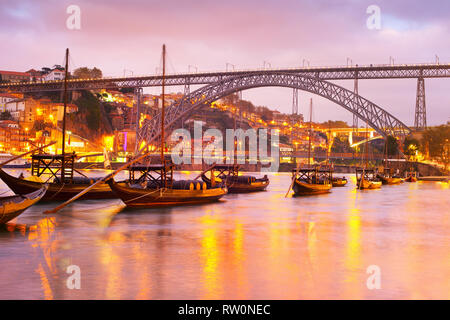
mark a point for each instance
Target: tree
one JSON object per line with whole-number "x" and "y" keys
{"x": 86, "y": 73}
{"x": 437, "y": 142}
{"x": 410, "y": 146}
{"x": 341, "y": 145}
{"x": 89, "y": 105}
{"x": 334, "y": 124}
{"x": 392, "y": 146}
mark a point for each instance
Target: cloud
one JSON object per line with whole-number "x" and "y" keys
{"x": 116, "y": 35}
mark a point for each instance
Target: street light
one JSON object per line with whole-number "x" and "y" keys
{"x": 125, "y": 70}
{"x": 193, "y": 67}
{"x": 391, "y": 60}
{"x": 229, "y": 64}
{"x": 349, "y": 60}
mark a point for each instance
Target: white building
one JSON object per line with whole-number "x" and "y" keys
{"x": 55, "y": 74}
{"x": 4, "y": 99}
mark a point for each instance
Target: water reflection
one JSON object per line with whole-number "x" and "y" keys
{"x": 251, "y": 246}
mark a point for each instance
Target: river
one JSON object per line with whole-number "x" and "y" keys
{"x": 247, "y": 246}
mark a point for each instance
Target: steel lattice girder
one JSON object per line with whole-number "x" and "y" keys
{"x": 382, "y": 121}
{"x": 340, "y": 73}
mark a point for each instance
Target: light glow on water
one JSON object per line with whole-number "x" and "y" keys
{"x": 247, "y": 246}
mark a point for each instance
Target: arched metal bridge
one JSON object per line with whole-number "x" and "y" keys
{"x": 379, "y": 119}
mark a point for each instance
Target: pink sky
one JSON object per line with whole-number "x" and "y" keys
{"x": 118, "y": 35}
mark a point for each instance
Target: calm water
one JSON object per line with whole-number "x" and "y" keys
{"x": 249, "y": 246}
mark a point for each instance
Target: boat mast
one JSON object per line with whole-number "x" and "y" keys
{"x": 328, "y": 142}
{"x": 310, "y": 132}
{"x": 64, "y": 116}
{"x": 367, "y": 146}
{"x": 386, "y": 153}
{"x": 163, "y": 99}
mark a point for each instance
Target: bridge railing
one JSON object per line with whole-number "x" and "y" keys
{"x": 236, "y": 71}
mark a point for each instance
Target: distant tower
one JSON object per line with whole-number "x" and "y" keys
{"x": 420, "y": 121}
{"x": 295, "y": 102}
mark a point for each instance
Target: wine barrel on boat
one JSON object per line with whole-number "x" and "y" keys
{"x": 243, "y": 179}
{"x": 183, "y": 185}
{"x": 228, "y": 175}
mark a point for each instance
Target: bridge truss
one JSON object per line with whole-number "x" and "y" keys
{"x": 379, "y": 119}
{"x": 188, "y": 79}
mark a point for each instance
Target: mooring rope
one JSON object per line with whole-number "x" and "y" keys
{"x": 161, "y": 190}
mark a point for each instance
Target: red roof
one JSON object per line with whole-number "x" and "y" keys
{"x": 7, "y": 95}
{"x": 15, "y": 73}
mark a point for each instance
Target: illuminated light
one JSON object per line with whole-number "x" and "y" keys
{"x": 108, "y": 142}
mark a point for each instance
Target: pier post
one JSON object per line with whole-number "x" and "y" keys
{"x": 420, "y": 121}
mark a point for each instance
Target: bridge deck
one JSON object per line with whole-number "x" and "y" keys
{"x": 322, "y": 73}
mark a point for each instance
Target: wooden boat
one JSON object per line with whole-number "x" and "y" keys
{"x": 367, "y": 184}
{"x": 156, "y": 188}
{"x": 412, "y": 177}
{"x": 311, "y": 181}
{"x": 367, "y": 179}
{"x": 17, "y": 163}
{"x": 13, "y": 206}
{"x": 59, "y": 170}
{"x": 388, "y": 178}
{"x": 228, "y": 176}
{"x": 57, "y": 191}
{"x": 339, "y": 182}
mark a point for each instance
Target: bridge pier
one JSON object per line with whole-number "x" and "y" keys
{"x": 420, "y": 121}
{"x": 138, "y": 95}
{"x": 187, "y": 91}
{"x": 355, "y": 91}
{"x": 295, "y": 101}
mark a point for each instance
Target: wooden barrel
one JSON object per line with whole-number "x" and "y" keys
{"x": 183, "y": 185}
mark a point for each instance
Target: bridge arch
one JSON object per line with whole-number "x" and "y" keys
{"x": 379, "y": 119}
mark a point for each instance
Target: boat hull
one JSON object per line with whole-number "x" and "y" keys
{"x": 339, "y": 182}
{"x": 302, "y": 188}
{"x": 237, "y": 187}
{"x": 56, "y": 191}
{"x": 411, "y": 179}
{"x": 153, "y": 198}
{"x": 12, "y": 206}
{"x": 367, "y": 184}
{"x": 389, "y": 180}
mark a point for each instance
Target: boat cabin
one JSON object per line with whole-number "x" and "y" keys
{"x": 315, "y": 175}
{"x": 369, "y": 174}
{"x": 153, "y": 175}
{"x": 224, "y": 171}
{"x": 56, "y": 166}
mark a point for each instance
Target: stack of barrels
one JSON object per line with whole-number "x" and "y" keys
{"x": 189, "y": 185}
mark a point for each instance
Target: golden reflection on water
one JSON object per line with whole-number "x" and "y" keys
{"x": 252, "y": 246}
{"x": 353, "y": 251}
{"x": 239, "y": 261}
{"x": 210, "y": 257}
{"x": 40, "y": 237}
{"x": 112, "y": 263}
